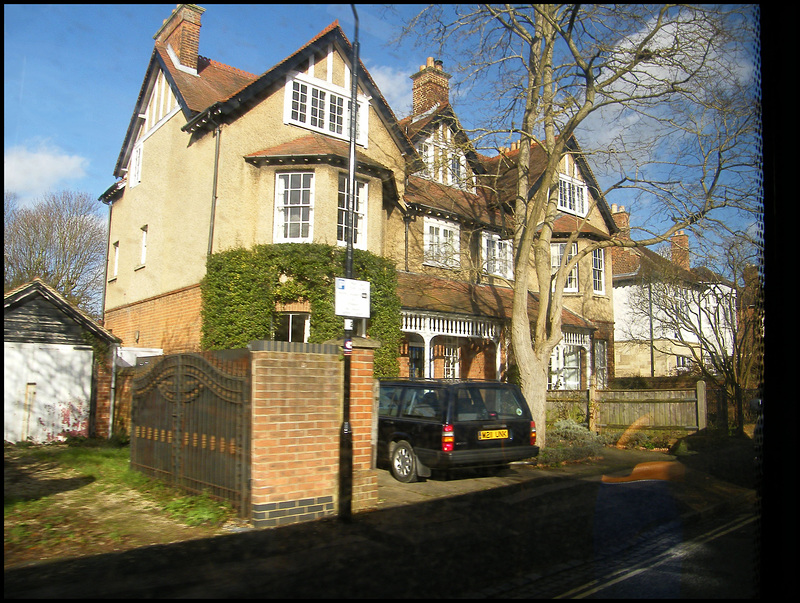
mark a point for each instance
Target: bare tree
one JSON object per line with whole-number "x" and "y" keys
{"x": 713, "y": 318}
{"x": 659, "y": 99}
{"x": 62, "y": 240}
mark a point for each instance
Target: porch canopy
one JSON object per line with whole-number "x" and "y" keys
{"x": 432, "y": 306}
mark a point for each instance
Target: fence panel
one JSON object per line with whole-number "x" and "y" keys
{"x": 190, "y": 423}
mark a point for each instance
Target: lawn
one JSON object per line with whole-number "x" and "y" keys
{"x": 82, "y": 498}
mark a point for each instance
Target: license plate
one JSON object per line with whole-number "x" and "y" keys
{"x": 493, "y": 434}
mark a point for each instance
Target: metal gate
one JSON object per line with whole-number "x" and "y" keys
{"x": 190, "y": 423}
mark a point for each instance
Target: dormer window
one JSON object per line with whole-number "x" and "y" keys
{"x": 572, "y": 196}
{"x": 323, "y": 107}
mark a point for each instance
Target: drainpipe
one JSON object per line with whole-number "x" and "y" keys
{"x": 406, "y": 221}
{"x": 217, "y": 135}
{"x": 113, "y": 389}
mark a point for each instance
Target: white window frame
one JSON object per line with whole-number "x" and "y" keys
{"x": 143, "y": 252}
{"x": 556, "y": 253}
{"x": 572, "y": 196}
{"x": 498, "y": 256}
{"x": 565, "y": 368}
{"x": 293, "y": 316}
{"x": 442, "y": 243}
{"x": 281, "y": 179}
{"x": 115, "y": 265}
{"x": 135, "y": 171}
{"x": 451, "y": 356}
{"x": 360, "y": 213}
{"x": 323, "y": 98}
{"x": 599, "y": 271}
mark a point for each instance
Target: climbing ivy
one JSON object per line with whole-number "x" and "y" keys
{"x": 241, "y": 288}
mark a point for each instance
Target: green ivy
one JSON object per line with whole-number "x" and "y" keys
{"x": 241, "y": 288}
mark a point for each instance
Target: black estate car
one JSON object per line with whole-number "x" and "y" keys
{"x": 441, "y": 424}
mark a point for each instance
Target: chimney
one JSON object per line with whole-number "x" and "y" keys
{"x": 680, "y": 249}
{"x": 430, "y": 87}
{"x": 181, "y": 34}
{"x": 623, "y": 220}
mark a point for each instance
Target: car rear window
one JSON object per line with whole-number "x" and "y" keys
{"x": 477, "y": 403}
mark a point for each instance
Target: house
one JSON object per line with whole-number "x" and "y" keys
{"x": 216, "y": 158}
{"x": 49, "y": 389}
{"x": 456, "y": 293}
{"x": 670, "y": 316}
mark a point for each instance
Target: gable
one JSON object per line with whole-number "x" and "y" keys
{"x": 37, "y": 313}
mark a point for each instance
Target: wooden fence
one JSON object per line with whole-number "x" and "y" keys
{"x": 680, "y": 409}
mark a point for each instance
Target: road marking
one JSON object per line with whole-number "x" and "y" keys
{"x": 680, "y": 550}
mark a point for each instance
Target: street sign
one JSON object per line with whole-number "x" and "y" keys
{"x": 352, "y": 298}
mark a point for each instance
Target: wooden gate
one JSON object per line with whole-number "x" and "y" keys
{"x": 190, "y": 423}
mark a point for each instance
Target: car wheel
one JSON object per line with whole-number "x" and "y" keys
{"x": 403, "y": 462}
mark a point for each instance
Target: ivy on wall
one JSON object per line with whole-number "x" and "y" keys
{"x": 241, "y": 288}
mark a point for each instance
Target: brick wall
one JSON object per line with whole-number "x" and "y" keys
{"x": 171, "y": 321}
{"x": 297, "y": 399}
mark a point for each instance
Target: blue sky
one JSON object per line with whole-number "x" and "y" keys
{"x": 72, "y": 74}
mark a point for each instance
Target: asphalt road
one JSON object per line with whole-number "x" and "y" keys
{"x": 436, "y": 539}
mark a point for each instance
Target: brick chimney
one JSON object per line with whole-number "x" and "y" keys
{"x": 680, "y": 249}
{"x": 622, "y": 219}
{"x": 181, "y": 34}
{"x": 431, "y": 87}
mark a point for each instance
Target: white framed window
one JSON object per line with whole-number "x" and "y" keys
{"x": 451, "y": 357}
{"x": 115, "y": 261}
{"x": 293, "y": 326}
{"x": 143, "y": 250}
{"x": 294, "y": 207}
{"x": 135, "y": 171}
{"x": 498, "y": 256}
{"x": 601, "y": 363}
{"x": 683, "y": 363}
{"x": 556, "y": 253}
{"x": 323, "y": 107}
{"x": 442, "y": 241}
{"x": 598, "y": 271}
{"x": 359, "y": 213}
{"x": 565, "y": 368}
{"x": 425, "y": 151}
{"x": 572, "y": 196}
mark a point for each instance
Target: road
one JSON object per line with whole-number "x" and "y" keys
{"x": 714, "y": 560}
{"x": 524, "y": 533}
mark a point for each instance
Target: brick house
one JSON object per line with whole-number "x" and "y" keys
{"x": 216, "y": 158}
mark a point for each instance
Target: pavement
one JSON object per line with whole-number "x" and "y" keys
{"x": 435, "y": 538}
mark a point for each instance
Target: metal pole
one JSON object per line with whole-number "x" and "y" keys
{"x": 346, "y": 436}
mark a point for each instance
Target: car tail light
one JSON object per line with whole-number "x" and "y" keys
{"x": 448, "y": 438}
{"x": 533, "y": 433}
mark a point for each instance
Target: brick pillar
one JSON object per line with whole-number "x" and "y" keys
{"x": 364, "y": 422}
{"x": 297, "y": 404}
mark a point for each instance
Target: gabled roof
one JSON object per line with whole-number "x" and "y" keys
{"x": 38, "y": 288}
{"x": 433, "y": 294}
{"x": 220, "y": 92}
{"x": 416, "y": 126}
{"x": 500, "y": 175}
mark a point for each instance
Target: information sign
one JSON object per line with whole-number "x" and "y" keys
{"x": 352, "y": 298}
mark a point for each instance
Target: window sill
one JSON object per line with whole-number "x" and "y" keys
{"x": 139, "y": 267}
{"x": 113, "y": 279}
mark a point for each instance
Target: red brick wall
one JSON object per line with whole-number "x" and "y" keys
{"x": 297, "y": 401}
{"x": 171, "y": 321}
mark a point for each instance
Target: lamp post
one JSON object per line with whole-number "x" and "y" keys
{"x": 346, "y": 434}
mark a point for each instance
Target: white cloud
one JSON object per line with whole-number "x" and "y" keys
{"x": 29, "y": 172}
{"x": 395, "y": 85}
